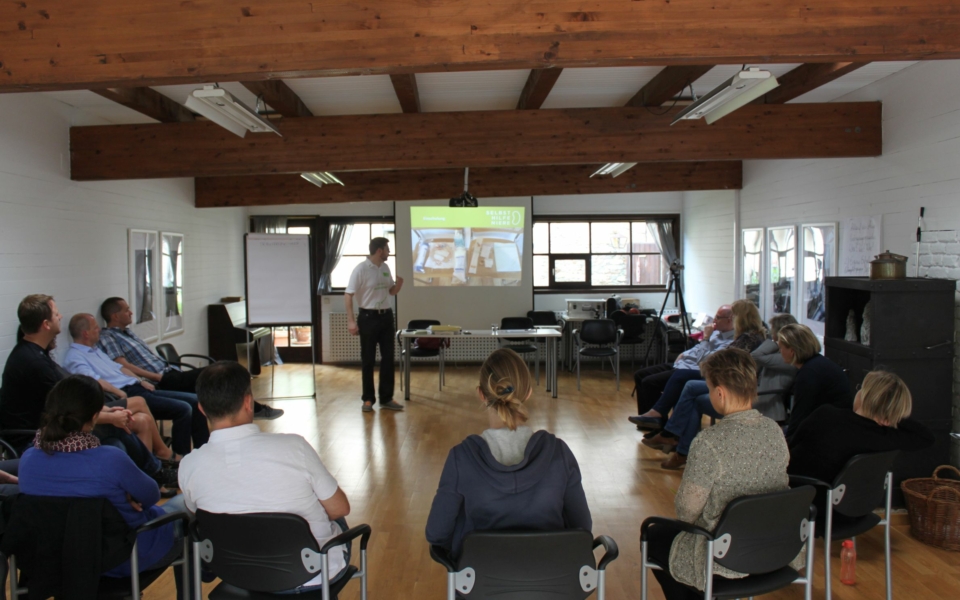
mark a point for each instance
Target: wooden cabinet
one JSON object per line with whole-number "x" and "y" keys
{"x": 911, "y": 323}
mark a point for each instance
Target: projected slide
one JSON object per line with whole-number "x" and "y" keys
{"x": 467, "y": 246}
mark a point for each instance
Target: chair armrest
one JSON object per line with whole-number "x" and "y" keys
{"x": 801, "y": 480}
{"x": 210, "y": 359}
{"x": 440, "y": 555}
{"x": 363, "y": 531}
{"x": 611, "y": 551}
{"x": 182, "y": 365}
{"x": 163, "y": 520}
{"x": 676, "y": 523}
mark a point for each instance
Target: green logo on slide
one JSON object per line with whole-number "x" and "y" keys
{"x": 443, "y": 217}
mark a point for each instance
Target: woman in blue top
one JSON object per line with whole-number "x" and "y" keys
{"x": 509, "y": 477}
{"x": 67, "y": 460}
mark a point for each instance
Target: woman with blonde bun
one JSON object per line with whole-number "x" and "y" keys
{"x": 509, "y": 477}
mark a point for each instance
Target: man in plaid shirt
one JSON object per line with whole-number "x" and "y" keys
{"x": 124, "y": 346}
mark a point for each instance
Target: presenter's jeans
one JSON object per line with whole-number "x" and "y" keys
{"x": 377, "y": 329}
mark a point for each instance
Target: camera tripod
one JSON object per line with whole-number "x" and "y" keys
{"x": 675, "y": 268}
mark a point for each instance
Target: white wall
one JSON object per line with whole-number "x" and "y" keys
{"x": 920, "y": 166}
{"x": 708, "y": 249}
{"x": 69, "y": 239}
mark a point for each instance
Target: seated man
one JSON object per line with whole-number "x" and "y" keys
{"x": 652, "y": 381}
{"x": 241, "y": 470}
{"x": 84, "y": 358}
{"x": 124, "y": 346}
{"x": 29, "y": 375}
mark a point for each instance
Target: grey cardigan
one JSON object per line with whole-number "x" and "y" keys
{"x": 774, "y": 375}
{"x": 744, "y": 453}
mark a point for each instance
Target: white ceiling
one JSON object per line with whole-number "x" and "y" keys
{"x": 475, "y": 90}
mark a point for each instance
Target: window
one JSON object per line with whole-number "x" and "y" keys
{"x": 356, "y": 249}
{"x": 584, "y": 254}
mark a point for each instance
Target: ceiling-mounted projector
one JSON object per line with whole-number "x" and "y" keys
{"x": 219, "y": 105}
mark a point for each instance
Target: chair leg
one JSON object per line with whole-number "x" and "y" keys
{"x": 578, "y": 370}
{"x": 618, "y": 370}
{"x": 886, "y": 534}
{"x": 827, "y": 533}
{"x": 643, "y": 570}
{"x": 537, "y": 355}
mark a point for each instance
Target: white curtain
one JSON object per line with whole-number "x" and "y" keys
{"x": 662, "y": 232}
{"x": 269, "y": 224}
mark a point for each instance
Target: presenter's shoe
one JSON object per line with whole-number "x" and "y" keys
{"x": 267, "y": 413}
{"x": 391, "y": 406}
{"x": 367, "y": 407}
{"x": 674, "y": 462}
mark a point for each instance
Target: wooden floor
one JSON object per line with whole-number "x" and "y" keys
{"x": 389, "y": 464}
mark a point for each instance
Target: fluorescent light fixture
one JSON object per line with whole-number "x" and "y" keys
{"x": 614, "y": 169}
{"x": 222, "y": 108}
{"x": 321, "y": 177}
{"x": 743, "y": 88}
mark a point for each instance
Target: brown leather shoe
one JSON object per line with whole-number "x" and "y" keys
{"x": 675, "y": 462}
{"x": 659, "y": 442}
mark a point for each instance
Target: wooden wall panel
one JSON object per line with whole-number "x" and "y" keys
{"x": 76, "y": 44}
{"x": 268, "y": 190}
{"x": 474, "y": 139}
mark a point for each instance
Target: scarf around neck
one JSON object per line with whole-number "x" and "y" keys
{"x": 77, "y": 441}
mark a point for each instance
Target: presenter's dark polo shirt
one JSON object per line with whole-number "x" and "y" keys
{"x": 28, "y": 376}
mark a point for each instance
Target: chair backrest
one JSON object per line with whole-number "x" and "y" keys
{"x": 598, "y": 331}
{"x": 516, "y": 323}
{"x": 421, "y": 323}
{"x": 168, "y": 353}
{"x": 261, "y": 552}
{"x": 535, "y": 565}
{"x": 766, "y": 531}
{"x": 542, "y": 317}
{"x": 862, "y": 479}
{"x": 633, "y": 326}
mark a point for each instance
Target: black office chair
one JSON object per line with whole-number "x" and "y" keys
{"x": 522, "y": 346}
{"x": 116, "y": 540}
{"x": 758, "y": 535}
{"x": 604, "y": 337}
{"x": 256, "y": 555}
{"x": 169, "y": 354}
{"x": 634, "y": 331}
{"x": 864, "y": 484}
{"x": 418, "y": 352}
{"x": 527, "y": 565}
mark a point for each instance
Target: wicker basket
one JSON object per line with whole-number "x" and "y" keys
{"x": 934, "y": 508}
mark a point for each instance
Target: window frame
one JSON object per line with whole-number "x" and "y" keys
{"x": 362, "y": 220}
{"x": 586, "y": 288}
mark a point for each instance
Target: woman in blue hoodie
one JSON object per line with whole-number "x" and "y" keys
{"x": 509, "y": 477}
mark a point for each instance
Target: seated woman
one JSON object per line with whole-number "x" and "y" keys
{"x": 831, "y": 436}
{"x": 68, "y": 460}
{"x": 819, "y": 380}
{"x": 694, "y": 401}
{"x": 749, "y": 333}
{"x": 509, "y": 477}
{"x": 743, "y": 454}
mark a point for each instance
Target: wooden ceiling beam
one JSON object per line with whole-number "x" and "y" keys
{"x": 65, "y": 45}
{"x": 668, "y": 83}
{"x": 279, "y": 96}
{"x": 407, "y": 92}
{"x": 807, "y": 78}
{"x": 498, "y": 182}
{"x": 474, "y": 139}
{"x": 538, "y": 86}
{"x": 148, "y": 102}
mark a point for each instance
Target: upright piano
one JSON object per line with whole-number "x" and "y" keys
{"x": 229, "y": 338}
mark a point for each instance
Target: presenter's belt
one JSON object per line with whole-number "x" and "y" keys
{"x": 376, "y": 311}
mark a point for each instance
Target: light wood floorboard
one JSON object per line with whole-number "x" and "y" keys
{"x": 389, "y": 465}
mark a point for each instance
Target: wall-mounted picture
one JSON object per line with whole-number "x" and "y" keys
{"x": 818, "y": 261}
{"x": 171, "y": 280}
{"x": 142, "y": 264}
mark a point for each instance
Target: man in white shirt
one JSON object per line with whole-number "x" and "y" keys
{"x": 372, "y": 283}
{"x": 242, "y": 470}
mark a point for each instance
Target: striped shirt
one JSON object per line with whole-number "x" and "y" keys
{"x": 116, "y": 342}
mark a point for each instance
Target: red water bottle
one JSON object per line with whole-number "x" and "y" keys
{"x": 848, "y": 563}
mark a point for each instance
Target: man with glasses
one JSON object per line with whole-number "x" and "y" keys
{"x": 652, "y": 382}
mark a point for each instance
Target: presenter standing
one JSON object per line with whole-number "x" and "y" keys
{"x": 372, "y": 284}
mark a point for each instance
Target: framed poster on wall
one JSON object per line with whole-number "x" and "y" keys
{"x": 818, "y": 260}
{"x": 142, "y": 274}
{"x": 171, "y": 280}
